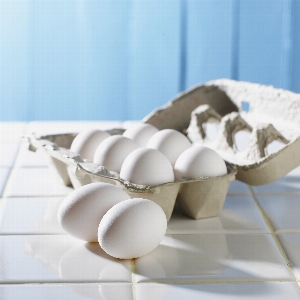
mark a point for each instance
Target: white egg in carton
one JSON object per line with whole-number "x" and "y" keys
{"x": 200, "y": 197}
{"x": 216, "y": 113}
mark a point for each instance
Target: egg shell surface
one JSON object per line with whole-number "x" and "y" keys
{"x": 170, "y": 142}
{"x": 86, "y": 142}
{"x": 199, "y": 161}
{"x": 147, "y": 166}
{"x": 140, "y": 133}
{"x": 112, "y": 152}
{"x": 81, "y": 211}
{"x": 132, "y": 228}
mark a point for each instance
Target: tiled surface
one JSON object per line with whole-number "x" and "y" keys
{"x": 239, "y": 214}
{"x": 291, "y": 245}
{"x": 249, "y": 251}
{"x": 55, "y": 258}
{"x": 249, "y": 291}
{"x": 213, "y": 257}
{"x": 4, "y": 171}
{"x": 44, "y": 128}
{"x": 238, "y": 187}
{"x": 35, "y": 182}
{"x": 8, "y": 153}
{"x": 282, "y": 211}
{"x": 30, "y": 215}
{"x": 27, "y": 159}
{"x": 65, "y": 292}
{"x": 11, "y": 131}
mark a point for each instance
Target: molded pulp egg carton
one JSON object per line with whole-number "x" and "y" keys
{"x": 267, "y": 113}
{"x": 199, "y": 197}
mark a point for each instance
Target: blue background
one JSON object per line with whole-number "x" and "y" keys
{"x": 117, "y": 60}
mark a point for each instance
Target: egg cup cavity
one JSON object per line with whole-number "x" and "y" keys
{"x": 71, "y": 168}
{"x": 270, "y": 114}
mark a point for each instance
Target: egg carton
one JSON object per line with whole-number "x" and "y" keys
{"x": 198, "y": 197}
{"x": 267, "y": 113}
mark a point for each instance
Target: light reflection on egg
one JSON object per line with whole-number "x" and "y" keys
{"x": 140, "y": 133}
{"x": 199, "y": 161}
{"x": 86, "y": 142}
{"x": 170, "y": 142}
{"x": 147, "y": 166}
{"x": 112, "y": 152}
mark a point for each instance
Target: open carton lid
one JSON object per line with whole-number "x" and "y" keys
{"x": 270, "y": 114}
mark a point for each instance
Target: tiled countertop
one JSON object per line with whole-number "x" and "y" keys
{"x": 252, "y": 250}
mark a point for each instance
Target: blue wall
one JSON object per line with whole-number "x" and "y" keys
{"x": 119, "y": 59}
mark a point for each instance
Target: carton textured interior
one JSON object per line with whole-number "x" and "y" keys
{"x": 269, "y": 114}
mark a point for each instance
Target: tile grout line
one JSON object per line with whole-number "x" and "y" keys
{"x": 10, "y": 175}
{"x": 63, "y": 283}
{"x": 269, "y": 194}
{"x": 17, "y": 155}
{"x": 212, "y": 282}
{"x": 31, "y": 233}
{"x": 12, "y": 169}
{"x": 273, "y": 234}
{"x": 3, "y": 197}
{"x": 169, "y": 282}
{"x": 133, "y": 279}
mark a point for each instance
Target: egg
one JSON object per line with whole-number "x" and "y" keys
{"x": 169, "y": 142}
{"x": 147, "y": 166}
{"x": 140, "y": 133}
{"x": 112, "y": 152}
{"x": 132, "y": 228}
{"x": 81, "y": 211}
{"x": 86, "y": 142}
{"x": 199, "y": 161}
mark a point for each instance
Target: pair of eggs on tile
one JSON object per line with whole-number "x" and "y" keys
{"x": 125, "y": 228}
{"x": 146, "y": 156}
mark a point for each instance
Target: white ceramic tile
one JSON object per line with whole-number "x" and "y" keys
{"x": 30, "y": 216}
{"x": 287, "y": 184}
{"x": 11, "y": 131}
{"x": 8, "y": 153}
{"x": 213, "y": 257}
{"x": 36, "y": 182}
{"x": 56, "y": 127}
{"x": 3, "y": 178}
{"x": 282, "y": 211}
{"x": 243, "y": 291}
{"x": 238, "y": 187}
{"x": 291, "y": 246}
{"x": 57, "y": 258}
{"x": 72, "y": 291}
{"x": 27, "y": 158}
{"x": 239, "y": 213}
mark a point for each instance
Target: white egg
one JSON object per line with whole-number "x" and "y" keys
{"x": 199, "y": 161}
{"x": 140, "y": 133}
{"x": 86, "y": 142}
{"x": 147, "y": 166}
{"x": 81, "y": 211}
{"x": 132, "y": 228}
{"x": 169, "y": 142}
{"x": 112, "y": 152}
